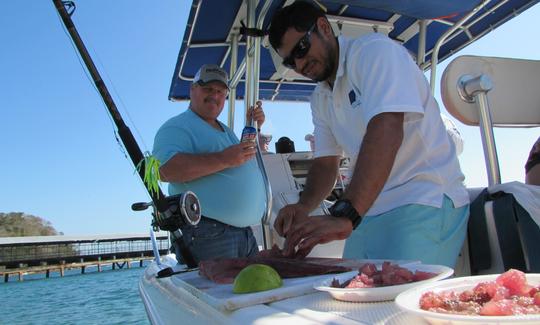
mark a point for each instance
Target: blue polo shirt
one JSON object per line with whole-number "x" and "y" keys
{"x": 234, "y": 196}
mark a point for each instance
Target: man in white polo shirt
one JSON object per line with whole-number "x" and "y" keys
{"x": 373, "y": 104}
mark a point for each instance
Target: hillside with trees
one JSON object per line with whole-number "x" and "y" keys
{"x": 18, "y": 224}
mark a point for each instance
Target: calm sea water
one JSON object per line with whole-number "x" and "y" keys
{"x": 109, "y": 297}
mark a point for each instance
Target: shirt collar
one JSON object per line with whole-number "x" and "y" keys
{"x": 343, "y": 43}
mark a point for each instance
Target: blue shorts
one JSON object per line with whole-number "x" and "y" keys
{"x": 412, "y": 232}
{"x": 213, "y": 239}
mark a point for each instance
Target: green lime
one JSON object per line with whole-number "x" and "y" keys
{"x": 256, "y": 277}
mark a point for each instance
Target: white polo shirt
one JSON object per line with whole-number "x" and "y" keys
{"x": 376, "y": 75}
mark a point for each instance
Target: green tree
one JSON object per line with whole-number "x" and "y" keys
{"x": 19, "y": 224}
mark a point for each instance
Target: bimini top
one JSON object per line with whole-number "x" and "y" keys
{"x": 212, "y": 24}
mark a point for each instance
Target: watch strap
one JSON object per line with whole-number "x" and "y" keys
{"x": 343, "y": 208}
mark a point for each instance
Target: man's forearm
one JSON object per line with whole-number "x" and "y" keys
{"x": 187, "y": 167}
{"x": 320, "y": 181}
{"x": 375, "y": 160}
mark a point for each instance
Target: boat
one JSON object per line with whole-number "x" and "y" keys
{"x": 432, "y": 31}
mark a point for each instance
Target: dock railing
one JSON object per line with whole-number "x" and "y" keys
{"x": 43, "y": 254}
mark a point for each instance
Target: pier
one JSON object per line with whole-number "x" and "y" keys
{"x": 20, "y": 256}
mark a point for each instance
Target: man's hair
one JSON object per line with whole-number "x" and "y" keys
{"x": 301, "y": 15}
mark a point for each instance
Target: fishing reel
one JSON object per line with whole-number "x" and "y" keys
{"x": 182, "y": 209}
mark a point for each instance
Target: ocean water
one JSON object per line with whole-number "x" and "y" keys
{"x": 109, "y": 297}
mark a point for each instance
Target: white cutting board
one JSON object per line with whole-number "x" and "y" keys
{"x": 221, "y": 297}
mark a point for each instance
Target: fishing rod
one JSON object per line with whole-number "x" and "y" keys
{"x": 170, "y": 213}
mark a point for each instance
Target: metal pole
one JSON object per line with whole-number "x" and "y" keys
{"x": 488, "y": 140}
{"x": 266, "y": 227}
{"x": 249, "y": 98}
{"x": 440, "y": 41}
{"x": 252, "y": 92}
{"x": 475, "y": 89}
{"x": 421, "y": 56}
{"x": 232, "y": 71}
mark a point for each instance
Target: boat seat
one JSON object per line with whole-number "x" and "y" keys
{"x": 514, "y": 100}
{"x": 497, "y": 92}
{"x": 492, "y": 92}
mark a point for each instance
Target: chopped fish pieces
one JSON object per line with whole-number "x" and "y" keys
{"x": 390, "y": 274}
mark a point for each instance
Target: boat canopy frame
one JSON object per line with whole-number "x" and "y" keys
{"x": 432, "y": 30}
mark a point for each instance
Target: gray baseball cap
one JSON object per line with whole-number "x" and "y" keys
{"x": 211, "y": 72}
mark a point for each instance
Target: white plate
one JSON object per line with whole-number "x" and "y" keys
{"x": 409, "y": 301}
{"x": 379, "y": 293}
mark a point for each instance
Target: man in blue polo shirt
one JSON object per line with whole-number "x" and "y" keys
{"x": 200, "y": 154}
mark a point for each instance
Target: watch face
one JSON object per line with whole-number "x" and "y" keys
{"x": 340, "y": 205}
{"x": 340, "y": 208}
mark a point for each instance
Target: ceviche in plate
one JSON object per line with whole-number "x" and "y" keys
{"x": 381, "y": 282}
{"x": 512, "y": 297}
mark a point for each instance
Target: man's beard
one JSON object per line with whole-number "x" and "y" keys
{"x": 329, "y": 66}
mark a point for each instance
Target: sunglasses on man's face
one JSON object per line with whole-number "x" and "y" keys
{"x": 299, "y": 50}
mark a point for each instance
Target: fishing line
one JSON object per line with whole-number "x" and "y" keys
{"x": 126, "y": 111}
{"x": 93, "y": 85}
{"x": 86, "y": 73}
{"x": 110, "y": 81}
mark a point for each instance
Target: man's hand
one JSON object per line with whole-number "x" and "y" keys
{"x": 315, "y": 230}
{"x": 256, "y": 114}
{"x": 238, "y": 154}
{"x": 289, "y": 215}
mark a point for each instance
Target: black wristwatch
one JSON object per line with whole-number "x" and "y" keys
{"x": 343, "y": 208}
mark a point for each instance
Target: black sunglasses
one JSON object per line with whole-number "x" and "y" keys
{"x": 299, "y": 50}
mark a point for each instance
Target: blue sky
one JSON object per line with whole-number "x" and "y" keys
{"x": 60, "y": 157}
